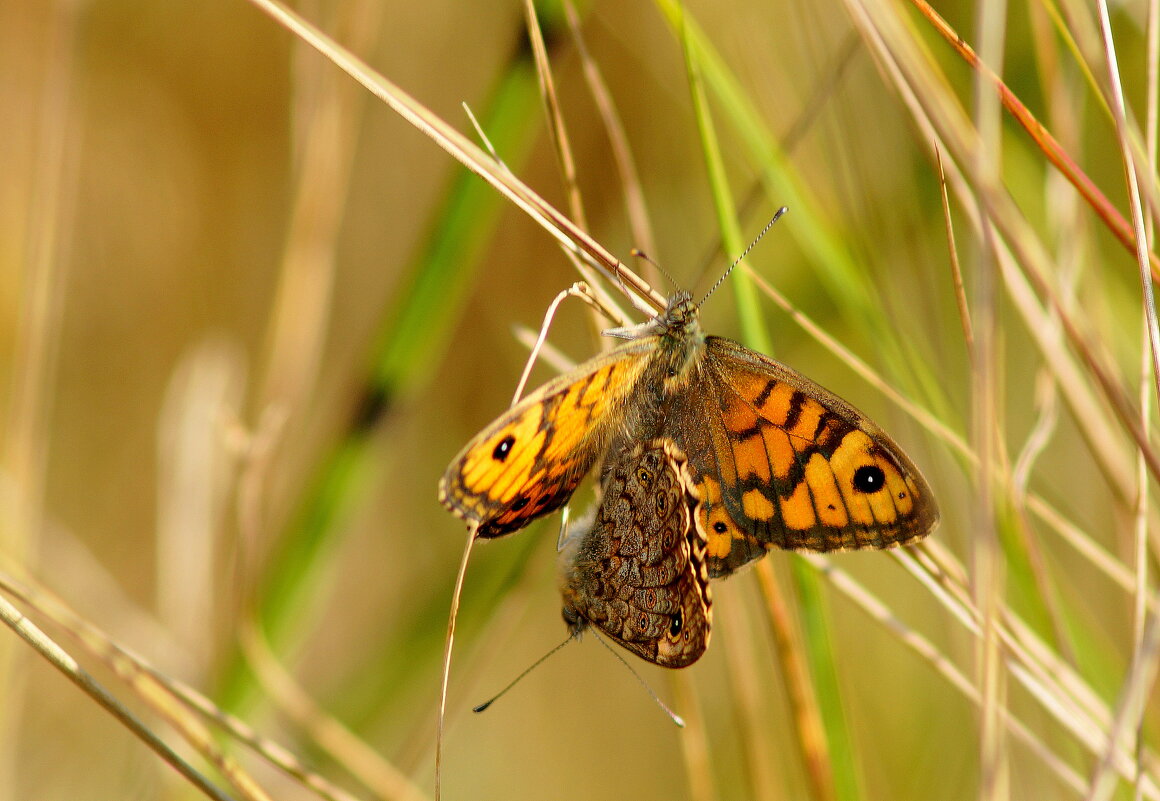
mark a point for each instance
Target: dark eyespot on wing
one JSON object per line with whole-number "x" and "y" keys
{"x": 503, "y": 448}
{"x": 869, "y": 478}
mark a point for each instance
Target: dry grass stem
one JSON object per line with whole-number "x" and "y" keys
{"x": 564, "y": 230}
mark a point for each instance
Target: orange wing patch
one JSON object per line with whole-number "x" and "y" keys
{"x": 728, "y": 546}
{"x": 797, "y": 509}
{"x": 827, "y": 498}
{"x": 530, "y": 461}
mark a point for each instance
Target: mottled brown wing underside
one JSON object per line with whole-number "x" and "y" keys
{"x": 638, "y": 573}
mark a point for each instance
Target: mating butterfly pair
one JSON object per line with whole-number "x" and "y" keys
{"x": 746, "y": 453}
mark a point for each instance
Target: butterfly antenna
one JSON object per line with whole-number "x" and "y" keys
{"x": 518, "y": 678}
{"x": 744, "y": 253}
{"x": 640, "y": 254}
{"x": 677, "y": 719}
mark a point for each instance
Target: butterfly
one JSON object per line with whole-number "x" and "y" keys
{"x": 777, "y": 459}
{"x": 637, "y": 570}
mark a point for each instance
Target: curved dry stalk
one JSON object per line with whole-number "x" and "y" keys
{"x": 63, "y": 662}
{"x": 452, "y": 616}
{"x": 578, "y": 290}
{"x": 346, "y": 748}
{"x": 566, "y": 232}
{"x": 1039, "y": 133}
{"x": 159, "y": 690}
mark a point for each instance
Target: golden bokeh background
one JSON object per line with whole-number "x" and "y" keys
{"x": 209, "y": 234}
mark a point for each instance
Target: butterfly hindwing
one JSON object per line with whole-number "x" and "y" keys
{"x": 637, "y": 571}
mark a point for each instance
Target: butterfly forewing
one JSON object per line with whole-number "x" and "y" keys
{"x": 789, "y": 464}
{"x": 528, "y": 462}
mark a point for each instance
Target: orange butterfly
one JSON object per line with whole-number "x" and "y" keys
{"x": 637, "y": 570}
{"x": 777, "y": 459}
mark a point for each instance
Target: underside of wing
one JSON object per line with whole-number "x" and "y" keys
{"x": 637, "y": 572}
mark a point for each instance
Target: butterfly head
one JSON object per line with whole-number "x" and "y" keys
{"x": 680, "y": 312}
{"x": 678, "y": 320}
{"x": 573, "y": 619}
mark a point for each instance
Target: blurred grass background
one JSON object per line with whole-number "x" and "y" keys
{"x": 250, "y": 314}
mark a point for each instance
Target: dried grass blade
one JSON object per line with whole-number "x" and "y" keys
{"x": 1039, "y": 133}
{"x": 461, "y": 149}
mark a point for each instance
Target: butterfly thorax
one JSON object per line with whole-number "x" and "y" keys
{"x": 681, "y": 340}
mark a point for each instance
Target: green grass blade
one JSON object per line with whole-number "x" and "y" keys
{"x": 411, "y": 341}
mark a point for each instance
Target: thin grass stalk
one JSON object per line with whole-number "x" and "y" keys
{"x": 1142, "y": 673}
{"x": 1040, "y": 135}
{"x": 828, "y": 767}
{"x": 68, "y": 666}
{"x": 195, "y": 477}
{"x": 1152, "y": 142}
{"x": 1140, "y": 551}
{"x": 959, "y": 137}
{"x": 1057, "y": 688}
{"x": 745, "y": 676}
{"x": 694, "y": 738}
{"x": 627, "y": 172}
{"x": 153, "y": 685}
{"x": 942, "y": 665}
{"x": 812, "y": 734}
{"x": 374, "y": 771}
{"x": 35, "y": 354}
{"x": 1131, "y": 171}
{"x": 557, "y": 131}
{"x": 329, "y": 112}
{"x": 562, "y": 147}
{"x": 754, "y": 331}
{"x": 1084, "y": 28}
{"x": 566, "y": 232}
{"x": 1060, "y": 690}
{"x": 406, "y": 350}
{"x": 956, "y": 268}
{"x": 447, "y": 648}
{"x": 988, "y": 571}
{"x": 1104, "y": 445}
{"x": 842, "y": 275}
{"x": 1038, "y": 439}
{"x": 834, "y": 73}
{"x": 1129, "y": 713}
